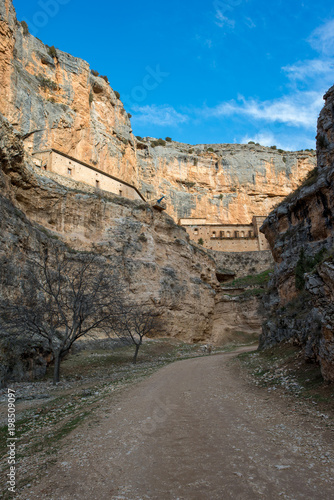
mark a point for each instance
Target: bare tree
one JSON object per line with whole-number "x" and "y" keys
{"x": 64, "y": 296}
{"x": 134, "y": 322}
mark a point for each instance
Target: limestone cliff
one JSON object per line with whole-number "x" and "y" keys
{"x": 300, "y": 232}
{"x": 54, "y": 100}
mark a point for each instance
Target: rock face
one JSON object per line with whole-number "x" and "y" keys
{"x": 152, "y": 253}
{"x": 235, "y": 316}
{"x": 300, "y": 232}
{"x": 55, "y": 101}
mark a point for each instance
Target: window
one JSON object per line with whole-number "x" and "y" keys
{"x": 120, "y": 192}
{"x": 222, "y": 234}
{"x": 242, "y": 234}
{"x": 196, "y": 230}
{"x": 250, "y": 234}
{"x": 228, "y": 234}
{"x": 44, "y": 167}
{"x": 97, "y": 184}
{"x": 236, "y": 234}
{"x": 69, "y": 171}
{"x": 214, "y": 234}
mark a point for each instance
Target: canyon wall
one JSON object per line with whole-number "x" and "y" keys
{"x": 153, "y": 254}
{"x": 54, "y": 100}
{"x": 301, "y": 235}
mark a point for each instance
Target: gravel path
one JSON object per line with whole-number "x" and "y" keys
{"x": 195, "y": 430}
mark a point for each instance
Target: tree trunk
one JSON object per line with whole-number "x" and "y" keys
{"x": 56, "y": 371}
{"x": 136, "y": 354}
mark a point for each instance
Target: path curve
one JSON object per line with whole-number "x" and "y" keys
{"x": 195, "y": 431}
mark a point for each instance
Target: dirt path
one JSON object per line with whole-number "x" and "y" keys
{"x": 194, "y": 430}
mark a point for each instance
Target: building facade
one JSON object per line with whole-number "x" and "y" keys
{"x": 227, "y": 237}
{"x": 60, "y": 163}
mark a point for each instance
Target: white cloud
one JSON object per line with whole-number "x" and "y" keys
{"x": 158, "y": 115}
{"x": 300, "y": 109}
{"x": 223, "y": 21}
{"x": 314, "y": 68}
{"x": 322, "y": 38}
{"x": 281, "y": 141}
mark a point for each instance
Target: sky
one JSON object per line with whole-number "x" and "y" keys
{"x": 221, "y": 71}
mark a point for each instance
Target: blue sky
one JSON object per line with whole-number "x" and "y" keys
{"x": 203, "y": 71}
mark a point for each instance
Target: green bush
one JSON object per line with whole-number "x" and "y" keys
{"x": 210, "y": 150}
{"x": 129, "y": 115}
{"x": 251, "y": 142}
{"x": 105, "y": 78}
{"x": 139, "y": 138}
{"x": 159, "y": 142}
{"x": 95, "y": 73}
{"x": 25, "y": 28}
{"x": 168, "y": 139}
{"x": 46, "y": 83}
{"x": 273, "y": 147}
{"x": 52, "y": 51}
{"x": 306, "y": 264}
{"x": 200, "y": 241}
{"x": 117, "y": 94}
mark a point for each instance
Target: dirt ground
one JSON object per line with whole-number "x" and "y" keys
{"x": 195, "y": 430}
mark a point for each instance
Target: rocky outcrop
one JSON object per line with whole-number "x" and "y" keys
{"x": 301, "y": 235}
{"x": 236, "y": 319}
{"x": 54, "y": 100}
{"x": 227, "y": 183}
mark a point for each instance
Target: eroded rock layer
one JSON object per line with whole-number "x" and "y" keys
{"x": 301, "y": 235}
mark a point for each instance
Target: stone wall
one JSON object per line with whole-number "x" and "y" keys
{"x": 245, "y": 263}
{"x": 66, "y": 166}
{"x": 227, "y": 237}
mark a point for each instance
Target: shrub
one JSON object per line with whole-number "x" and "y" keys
{"x": 251, "y": 142}
{"x": 200, "y": 241}
{"x": 105, "y": 78}
{"x": 52, "y": 51}
{"x": 280, "y": 150}
{"x": 210, "y": 150}
{"x": 273, "y": 147}
{"x": 284, "y": 159}
{"x": 117, "y": 94}
{"x": 139, "y": 138}
{"x": 159, "y": 142}
{"x": 25, "y": 28}
{"x": 195, "y": 162}
{"x": 305, "y": 264}
{"x": 95, "y": 73}
{"x": 129, "y": 115}
{"x": 168, "y": 139}
{"x": 46, "y": 83}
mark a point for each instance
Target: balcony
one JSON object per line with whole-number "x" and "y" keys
{"x": 159, "y": 205}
